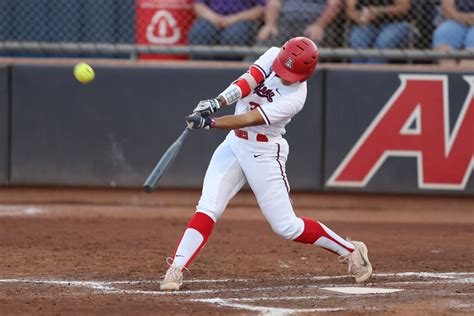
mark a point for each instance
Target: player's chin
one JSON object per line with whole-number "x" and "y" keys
{"x": 288, "y": 83}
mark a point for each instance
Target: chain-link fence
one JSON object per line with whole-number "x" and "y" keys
{"x": 347, "y": 30}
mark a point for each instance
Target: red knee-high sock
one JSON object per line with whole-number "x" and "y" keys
{"x": 318, "y": 234}
{"x": 194, "y": 238}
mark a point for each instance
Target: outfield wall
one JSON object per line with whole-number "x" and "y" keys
{"x": 364, "y": 130}
{"x": 4, "y": 125}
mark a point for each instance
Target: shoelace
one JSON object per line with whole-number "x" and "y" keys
{"x": 174, "y": 273}
{"x": 348, "y": 258}
{"x": 169, "y": 261}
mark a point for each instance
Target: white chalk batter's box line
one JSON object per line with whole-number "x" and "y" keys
{"x": 17, "y": 210}
{"x": 443, "y": 277}
{"x": 433, "y": 275}
{"x": 110, "y": 287}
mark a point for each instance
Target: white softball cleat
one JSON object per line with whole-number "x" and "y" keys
{"x": 358, "y": 261}
{"x": 173, "y": 279}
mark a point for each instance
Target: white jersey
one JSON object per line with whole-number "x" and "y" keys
{"x": 276, "y": 102}
{"x": 261, "y": 162}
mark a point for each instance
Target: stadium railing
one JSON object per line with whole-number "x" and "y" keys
{"x": 146, "y": 29}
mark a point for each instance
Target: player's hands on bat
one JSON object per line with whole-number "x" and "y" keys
{"x": 207, "y": 107}
{"x": 197, "y": 121}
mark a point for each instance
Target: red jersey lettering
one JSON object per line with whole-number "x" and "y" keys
{"x": 445, "y": 159}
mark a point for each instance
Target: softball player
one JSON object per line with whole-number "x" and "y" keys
{"x": 267, "y": 96}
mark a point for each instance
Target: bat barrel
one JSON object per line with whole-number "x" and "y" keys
{"x": 164, "y": 163}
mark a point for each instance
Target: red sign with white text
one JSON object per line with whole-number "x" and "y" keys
{"x": 163, "y": 22}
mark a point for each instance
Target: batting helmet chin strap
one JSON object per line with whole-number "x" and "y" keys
{"x": 296, "y": 60}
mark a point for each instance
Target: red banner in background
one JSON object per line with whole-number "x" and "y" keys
{"x": 163, "y": 22}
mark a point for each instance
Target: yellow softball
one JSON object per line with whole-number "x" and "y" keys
{"x": 84, "y": 73}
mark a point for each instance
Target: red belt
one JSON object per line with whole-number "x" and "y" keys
{"x": 244, "y": 135}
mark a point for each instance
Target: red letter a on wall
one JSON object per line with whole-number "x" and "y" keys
{"x": 444, "y": 161}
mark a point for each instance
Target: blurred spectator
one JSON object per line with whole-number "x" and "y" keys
{"x": 226, "y": 22}
{"x": 285, "y": 19}
{"x": 457, "y": 32}
{"x": 380, "y": 24}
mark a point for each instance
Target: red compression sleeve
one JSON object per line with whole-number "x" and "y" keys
{"x": 257, "y": 74}
{"x": 204, "y": 225}
{"x": 244, "y": 86}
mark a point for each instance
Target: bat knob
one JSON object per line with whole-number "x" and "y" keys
{"x": 147, "y": 189}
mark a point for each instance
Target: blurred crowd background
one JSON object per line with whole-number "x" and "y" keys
{"x": 439, "y": 25}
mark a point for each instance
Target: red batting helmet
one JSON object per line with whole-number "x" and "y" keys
{"x": 296, "y": 60}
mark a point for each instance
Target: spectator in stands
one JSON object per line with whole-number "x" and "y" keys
{"x": 457, "y": 32}
{"x": 380, "y": 24}
{"x": 226, "y": 22}
{"x": 285, "y": 19}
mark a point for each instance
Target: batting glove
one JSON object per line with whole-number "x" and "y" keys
{"x": 197, "y": 121}
{"x": 207, "y": 107}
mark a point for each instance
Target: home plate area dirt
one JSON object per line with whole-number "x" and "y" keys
{"x": 86, "y": 251}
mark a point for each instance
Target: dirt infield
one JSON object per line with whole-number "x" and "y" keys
{"x": 78, "y": 251}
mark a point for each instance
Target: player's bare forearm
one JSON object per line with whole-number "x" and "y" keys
{"x": 251, "y": 118}
{"x": 222, "y": 100}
